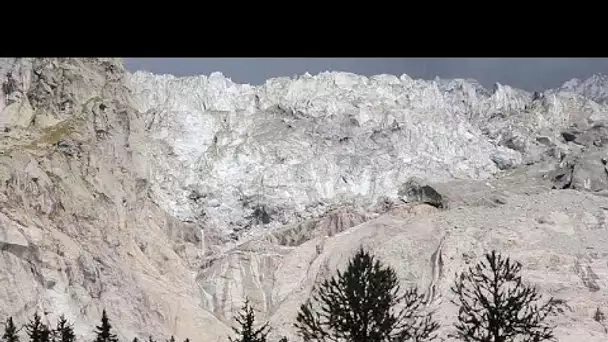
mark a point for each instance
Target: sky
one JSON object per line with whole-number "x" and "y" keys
{"x": 532, "y": 74}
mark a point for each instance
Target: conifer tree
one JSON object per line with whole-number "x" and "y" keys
{"x": 64, "y": 331}
{"x": 171, "y": 339}
{"x": 104, "y": 331}
{"x": 135, "y": 339}
{"x": 360, "y": 305}
{"x": 10, "y": 331}
{"x": 246, "y": 331}
{"x": 46, "y": 334}
{"x": 34, "y": 329}
{"x": 495, "y": 305}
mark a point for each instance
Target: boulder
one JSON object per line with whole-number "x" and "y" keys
{"x": 417, "y": 190}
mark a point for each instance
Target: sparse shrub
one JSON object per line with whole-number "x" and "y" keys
{"x": 599, "y": 315}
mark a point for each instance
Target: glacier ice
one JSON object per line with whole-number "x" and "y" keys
{"x": 223, "y": 153}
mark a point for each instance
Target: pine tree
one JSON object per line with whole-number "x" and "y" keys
{"x": 359, "y": 305}
{"x": 46, "y": 334}
{"x": 135, "y": 339}
{"x": 171, "y": 339}
{"x": 104, "y": 331}
{"x": 35, "y": 329}
{"x": 246, "y": 331}
{"x": 187, "y": 340}
{"x": 495, "y": 305}
{"x": 64, "y": 331}
{"x": 10, "y": 331}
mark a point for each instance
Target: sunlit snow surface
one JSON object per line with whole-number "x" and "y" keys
{"x": 298, "y": 146}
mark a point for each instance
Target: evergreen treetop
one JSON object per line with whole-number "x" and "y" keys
{"x": 64, "y": 331}
{"x": 35, "y": 329}
{"x": 104, "y": 331}
{"x": 360, "y": 305}
{"x": 246, "y": 331}
{"x": 495, "y": 304}
{"x": 10, "y": 331}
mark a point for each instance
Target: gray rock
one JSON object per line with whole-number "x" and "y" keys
{"x": 589, "y": 172}
{"x": 416, "y": 190}
{"x": 503, "y": 161}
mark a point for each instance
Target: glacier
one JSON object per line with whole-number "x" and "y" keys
{"x": 293, "y": 148}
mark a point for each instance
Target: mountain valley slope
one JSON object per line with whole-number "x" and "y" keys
{"x": 169, "y": 200}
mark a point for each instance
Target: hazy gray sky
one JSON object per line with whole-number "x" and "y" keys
{"x": 527, "y": 73}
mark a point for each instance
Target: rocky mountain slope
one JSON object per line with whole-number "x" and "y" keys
{"x": 169, "y": 200}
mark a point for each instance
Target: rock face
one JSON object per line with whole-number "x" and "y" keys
{"x": 79, "y": 230}
{"x": 169, "y": 200}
